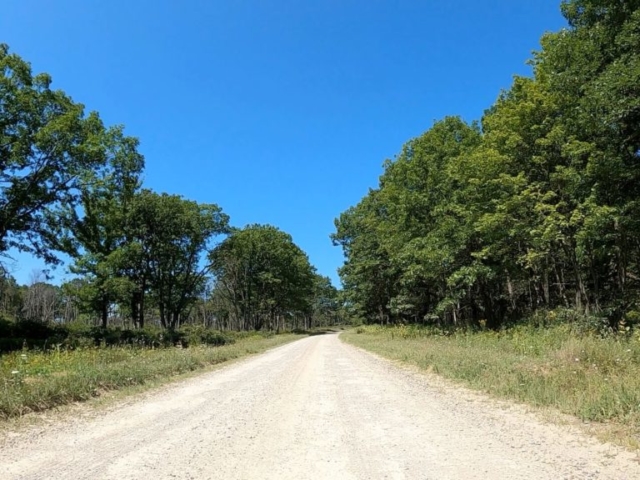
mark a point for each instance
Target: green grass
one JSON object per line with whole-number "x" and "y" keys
{"x": 595, "y": 379}
{"x": 33, "y": 381}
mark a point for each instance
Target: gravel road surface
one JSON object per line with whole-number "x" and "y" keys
{"x": 313, "y": 409}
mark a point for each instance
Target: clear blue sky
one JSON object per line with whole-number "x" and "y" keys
{"x": 280, "y": 111}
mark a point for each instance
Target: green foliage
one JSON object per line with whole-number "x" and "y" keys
{"x": 537, "y": 209}
{"x": 43, "y": 336}
{"x": 34, "y": 381}
{"x": 70, "y": 185}
{"x": 169, "y": 237}
{"x": 47, "y": 146}
{"x": 95, "y": 232}
{"x": 326, "y": 302}
{"x": 262, "y": 277}
{"x": 11, "y": 297}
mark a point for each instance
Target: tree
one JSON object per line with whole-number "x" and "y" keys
{"x": 263, "y": 277}
{"x": 40, "y": 301}
{"x": 326, "y": 302}
{"x": 46, "y": 145}
{"x": 538, "y": 208}
{"x": 404, "y": 240}
{"x": 593, "y": 72}
{"x": 165, "y": 256}
{"x": 93, "y": 232}
{"x": 11, "y": 297}
{"x": 367, "y": 275}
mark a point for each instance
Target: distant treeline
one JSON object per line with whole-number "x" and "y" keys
{"x": 537, "y": 206}
{"x": 69, "y": 185}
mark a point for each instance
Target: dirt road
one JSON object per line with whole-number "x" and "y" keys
{"x": 313, "y": 409}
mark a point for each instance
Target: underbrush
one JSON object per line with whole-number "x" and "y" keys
{"x": 581, "y": 373}
{"x": 34, "y": 335}
{"x": 37, "y": 380}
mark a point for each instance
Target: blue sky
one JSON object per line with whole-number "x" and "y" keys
{"x": 280, "y": 111}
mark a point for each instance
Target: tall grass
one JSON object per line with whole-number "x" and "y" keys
{"x": 37, "y": 380}
{"x": 596, "y": 379}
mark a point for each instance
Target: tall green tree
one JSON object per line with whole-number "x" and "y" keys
{"x": 11, "y": 297}
{"x": 538, "y": 208}
{"x": 326, "y": 304}
{"x": 93, "y": 232}
{"x": 263, "y": 277}
{"x": 593, "y": 72}
{"x": 368, "y": 277}
{"x": 169, "y": 237}
{"x": 47, "y": 144}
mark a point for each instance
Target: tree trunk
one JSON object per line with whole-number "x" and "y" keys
{"x": 163, "y": 319}
{"x": 105, "y": 312}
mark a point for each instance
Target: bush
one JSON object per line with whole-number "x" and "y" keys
{"x": 33, "y": 335}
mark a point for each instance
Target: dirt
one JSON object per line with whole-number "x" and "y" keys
{"x": 313, "y": 409}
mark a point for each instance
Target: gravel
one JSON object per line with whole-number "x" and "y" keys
{"x": 313, "y": 409}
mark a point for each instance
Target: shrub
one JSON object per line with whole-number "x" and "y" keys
{"x": 33, "y": 335}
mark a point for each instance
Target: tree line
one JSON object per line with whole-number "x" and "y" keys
{"x": 71, "y": 185}
{"x": 536, "y": 206}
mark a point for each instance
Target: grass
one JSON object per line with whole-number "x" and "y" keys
{"x": 592, "y": 378}
{"x": 35, "y": 380}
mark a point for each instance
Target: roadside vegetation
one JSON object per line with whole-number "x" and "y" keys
{"x": 563, "y": 366}
{"x": 35, "y": 380}
{"x": 71, "y": 192}
{"x": 160, "y": 284}
{"x": 534, "y": 207}
{"x": 509, "y": 248}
